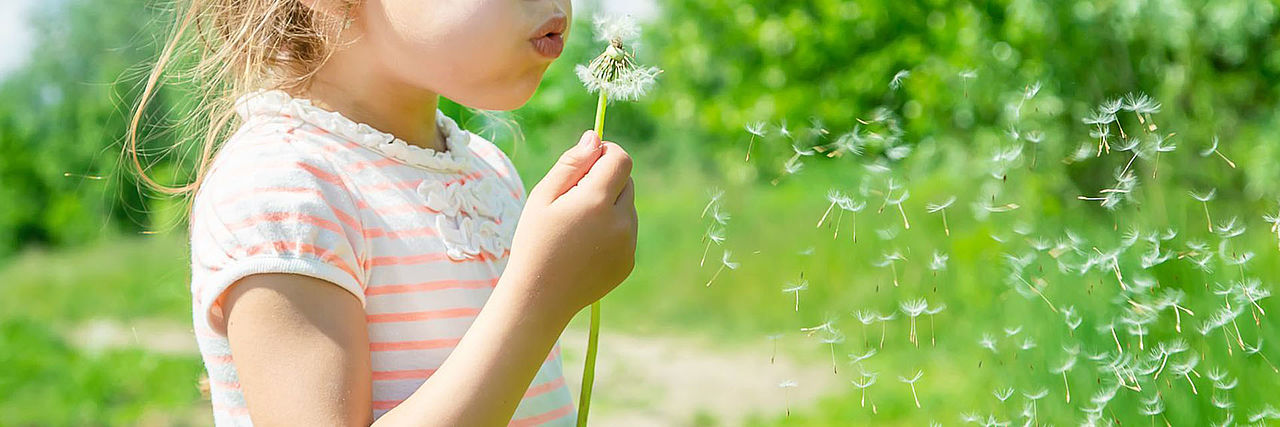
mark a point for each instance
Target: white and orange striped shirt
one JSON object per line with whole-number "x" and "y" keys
{"x": 419, "y": 236}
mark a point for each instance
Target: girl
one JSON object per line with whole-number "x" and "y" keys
{"x": 355, "y": 255}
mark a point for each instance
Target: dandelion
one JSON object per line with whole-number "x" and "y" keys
{"x": 913, "y": 308}
{"x": 714, "y": 235}
{"x": 1003, "y": 394}
{"x": 1213, "y": 149}
{"x": 795, "y": 288}
{"x": 757, "y": 131}
{"x": 1102, "y": 129}
{"x": 1173, "y": 298}
{"x": 867, "y": 380}
{"x": 724, "y": 263}
{"x": 786, "y": 396}
{"x": 615, "y": 76}
{"x": 912, "y": 382}
{"x": 896, "y": 81}
{"x": 942, "y": 207}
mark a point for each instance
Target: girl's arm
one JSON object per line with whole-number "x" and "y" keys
{"x": 302, "y": 351}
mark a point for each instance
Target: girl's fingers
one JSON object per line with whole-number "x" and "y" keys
{"x": 573, "y": 164}
{"x": 610, "y": 173}
{"x": 627, "y": 198}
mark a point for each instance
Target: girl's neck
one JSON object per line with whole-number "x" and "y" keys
{"x": 356, "y": 89}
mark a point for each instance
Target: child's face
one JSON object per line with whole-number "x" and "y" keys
{"x": 479, "y": 53}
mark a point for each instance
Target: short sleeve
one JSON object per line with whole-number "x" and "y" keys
{"x": 269, "y": 209}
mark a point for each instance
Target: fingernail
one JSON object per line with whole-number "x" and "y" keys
{"x": 587, "y": 143}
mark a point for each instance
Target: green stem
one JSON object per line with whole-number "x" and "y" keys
{"x": 593, "y": 337}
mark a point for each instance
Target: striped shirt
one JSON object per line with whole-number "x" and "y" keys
{"x": 420, "y": 237}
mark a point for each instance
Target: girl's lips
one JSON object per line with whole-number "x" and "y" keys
{"x": 550, "y": 45}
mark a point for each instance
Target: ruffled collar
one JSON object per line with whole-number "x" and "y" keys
{"x": 457, "y": 157}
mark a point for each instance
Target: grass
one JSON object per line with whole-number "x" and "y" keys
{"x": 772, "y": 234}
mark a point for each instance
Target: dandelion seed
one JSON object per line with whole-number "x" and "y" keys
{"x": 942, "y": 207}
{"x": 1064, "y": 367}
{"x": 866, "y": 318}
{"x": 1003, "y": 394}
{"x": 855, "y": 359}
{"x": 1034, "y": 397}
{"x": 890, "y": 260}
{"x": 832, "y": 338}
{"x": 848, "y": 205}
{"x": 913, "y": 308}
{"x": 867, "y": 380}
{"x": 1213, "y": 149}
{"x": 932, "y": 311}
{"x": 896, "y": 81}
{"x": 988, "y": 342}
{"x": 786, "y": 396}
{"x": 757, "y": 131}
{"x": 1161, "y": 145}
{"x": 724, "y": 263}
{"x": 1185, "y": 369}
{"x": 1142, "y": 105}
{"x": 965, "y": 76}
{"x": 884, "y": 325}
{"x": 898, "y": 202}
{"x": 912, "y": 382}
{"x": 716, "y": 195}
{"x": 774, "y": 340}
{"x": 795, "y": 288}
{"x": 719, "y": 215}
{"x": 1266, "y": 413}
{"x": 714, "y": 235}
{"x": 835, "y": 197}
{"x": 1274, "y": 220}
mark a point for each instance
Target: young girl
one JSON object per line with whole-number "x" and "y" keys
{"x": 355, "y": 255}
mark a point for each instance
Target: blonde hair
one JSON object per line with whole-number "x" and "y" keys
{"x": 228, "y": 48}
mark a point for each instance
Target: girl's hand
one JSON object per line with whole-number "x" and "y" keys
{"x": 576, "y": 239}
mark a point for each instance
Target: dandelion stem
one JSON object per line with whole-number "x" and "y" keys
{"x": 913, "y": 395}
{"x": 589, "y": 366}
{"x": 593, "y": 337}
{"x": 704, "y": 254}
{"x": 749, "y": 145}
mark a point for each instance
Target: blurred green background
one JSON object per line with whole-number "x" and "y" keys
{"x": 990, "y": 111}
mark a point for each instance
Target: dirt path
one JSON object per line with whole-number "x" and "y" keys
{"x": 640, "y": 380}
